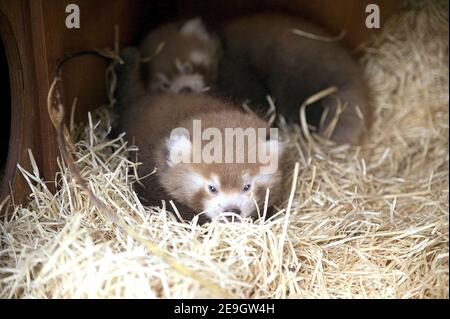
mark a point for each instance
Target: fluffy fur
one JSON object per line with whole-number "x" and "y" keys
{"x": 262, "y": 56}
{"x": 149, "y": 120}
{"x": 188, "y": 61}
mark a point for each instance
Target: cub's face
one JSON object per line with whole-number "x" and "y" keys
{"x": 187, "y": 62}
{"x": 216, "y": 188}
{"x": 231, "y": 190}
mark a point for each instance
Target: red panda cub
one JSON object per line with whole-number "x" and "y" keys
{"x": 262, "y": 56}
{"x": 183, "y": 57}
{"x": 188, "y": 138}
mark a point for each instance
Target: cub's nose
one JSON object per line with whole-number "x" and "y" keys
{"x": 234, "y": 210}
{"x": 186, "y": 89}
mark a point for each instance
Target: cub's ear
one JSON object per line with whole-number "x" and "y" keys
{"x": 179, "y": 149}
{"x": 195, "y": 27}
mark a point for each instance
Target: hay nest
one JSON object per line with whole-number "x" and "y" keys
{"x": 368, "y": 222}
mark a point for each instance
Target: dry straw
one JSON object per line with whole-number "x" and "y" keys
{"x": 361, "y": 222}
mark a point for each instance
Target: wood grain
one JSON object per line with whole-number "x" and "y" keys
{"x": 14, "y": 30}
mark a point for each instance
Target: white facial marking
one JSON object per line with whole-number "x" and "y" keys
{"x": 183, "y": 68}
{"x": 162, "y": 77}
{"x": 223, "y": 201}
{"x": 190, "y": 83}
{"x": 161, "y": 83}
{"x": 200, "y": 57}
{"x": 196, "y": 180}
{"x": 195, "y": 27}
{"x": 216, "y": 180}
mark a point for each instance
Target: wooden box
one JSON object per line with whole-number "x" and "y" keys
{"x": 34, "y": 36}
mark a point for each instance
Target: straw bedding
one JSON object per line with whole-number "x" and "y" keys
{"x": 361, "y": 222}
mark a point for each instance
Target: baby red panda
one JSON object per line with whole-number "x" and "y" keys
{"x": 263, "y": 56}
{"x": 188, "y": 139}
{"x": 186, "y": 58}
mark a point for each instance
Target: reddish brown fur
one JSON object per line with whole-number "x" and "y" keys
{"x": 148, "y": 124}
{"x": 178, "y": 46}
{"x": 262, "y": 56}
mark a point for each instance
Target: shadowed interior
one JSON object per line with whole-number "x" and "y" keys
{"x": 5, "y": 102}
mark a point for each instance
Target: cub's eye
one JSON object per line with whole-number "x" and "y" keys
{"x": 188, "y": 68}
{"x": 212, "y": 189}
{"x": 164, "y": 85}
{"x": 246, "y": 188}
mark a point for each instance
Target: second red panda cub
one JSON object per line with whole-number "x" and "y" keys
{"x": 184, "y": 57}
{"x": 188, "y": 139}
{"x": 263, "y": 56}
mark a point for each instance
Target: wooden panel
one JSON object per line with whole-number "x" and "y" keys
{"x": 36, "y": 37}
{"x": 14, "y": 31}
{"x": 5, "y": 108}
{"x": 83, "y": 78}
